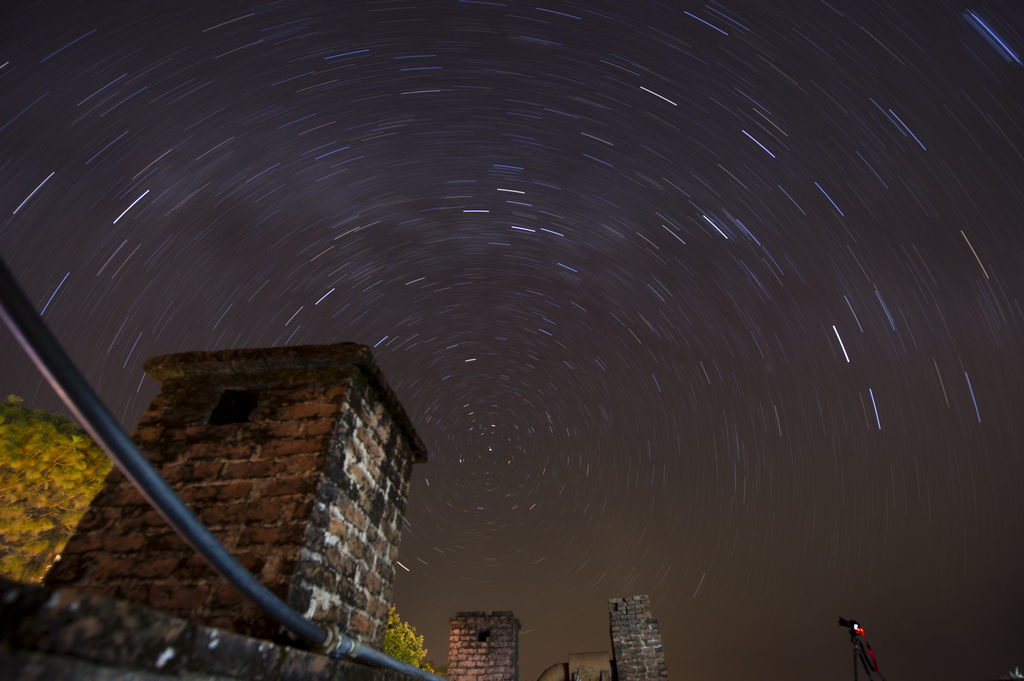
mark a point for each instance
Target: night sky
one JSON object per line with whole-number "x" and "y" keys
{"x": 719, "y": 303}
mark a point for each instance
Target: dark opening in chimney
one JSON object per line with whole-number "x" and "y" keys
{"x": 234, "y": 406}
{"x": 483, "y": 635}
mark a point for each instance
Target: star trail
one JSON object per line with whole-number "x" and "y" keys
{"x": 719, "y": 303}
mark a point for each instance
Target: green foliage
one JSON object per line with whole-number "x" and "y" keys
{"x": 403, "y": 643}
{"x": 50, "y": 470}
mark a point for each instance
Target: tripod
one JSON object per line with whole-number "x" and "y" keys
{"x": 861, "y": 649}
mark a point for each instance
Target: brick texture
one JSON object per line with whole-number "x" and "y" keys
{"x": 71, "y": 636}
{"x": 636, "y": 640}
{"x": 484, "y": 646}
{"x": 307, "y": 488}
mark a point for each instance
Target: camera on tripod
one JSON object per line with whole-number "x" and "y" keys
{"x": 861, "y": 649}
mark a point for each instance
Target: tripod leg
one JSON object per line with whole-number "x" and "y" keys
{"x": 867, "y": 666}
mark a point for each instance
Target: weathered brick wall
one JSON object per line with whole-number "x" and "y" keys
{"x": 636, "y": 640}
{"x": 70, "y": 636}
{"x": 484, "y": 646}
{"x": 302, "y": 472}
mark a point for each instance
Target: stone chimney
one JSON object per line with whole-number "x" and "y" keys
{"x": 636, "y": 640}
{"x": 298, "y": 459}
{"x": 484, "y": 646}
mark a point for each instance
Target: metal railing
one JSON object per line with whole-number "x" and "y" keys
{"x": 63, "y": 376}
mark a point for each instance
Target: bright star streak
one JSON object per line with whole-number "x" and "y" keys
{"x": 841, "y": 344}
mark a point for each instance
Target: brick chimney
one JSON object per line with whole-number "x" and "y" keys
{"x": 298, "y": 459}
{"x": 484, "y": 646}
{"x": 636, "y": 640}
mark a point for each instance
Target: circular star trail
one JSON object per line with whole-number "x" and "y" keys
{"x": 719, "y": 303}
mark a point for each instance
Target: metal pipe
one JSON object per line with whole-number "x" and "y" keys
{"x": 346, "y": 647}
{"x": 63, "y": 376}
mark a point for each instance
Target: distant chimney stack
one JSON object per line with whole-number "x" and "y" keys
{"x": 636, "y": 640}
{"x": 298, "y": 459}
{"x": 484, "y": 646}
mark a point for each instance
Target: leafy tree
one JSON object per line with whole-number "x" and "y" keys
{"x": 403, "y": 643}
{"x": 50, "y": 470}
